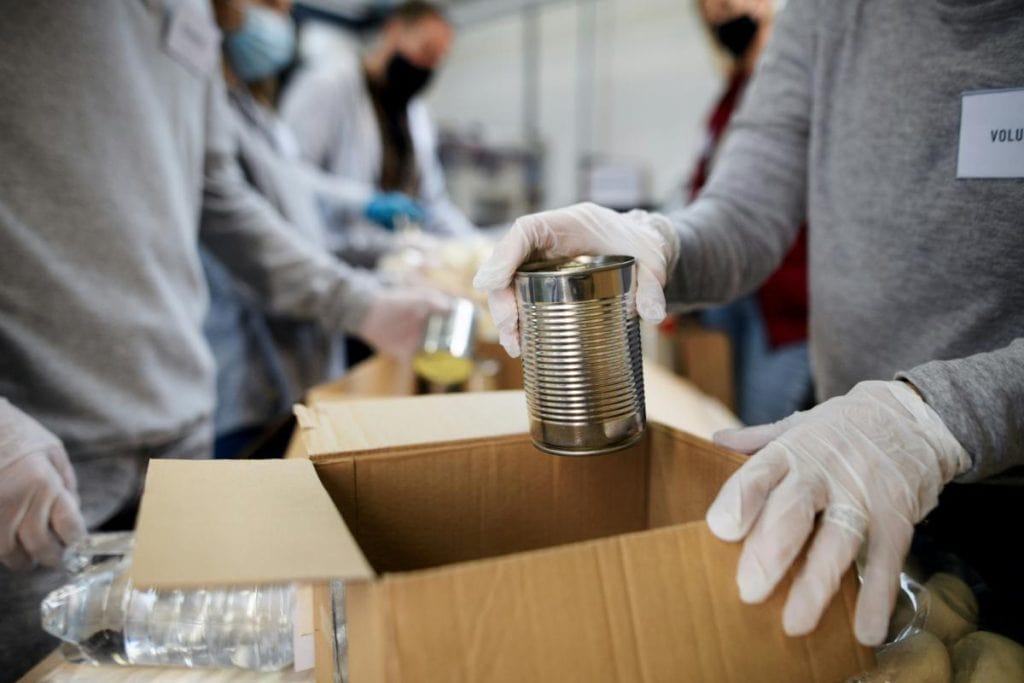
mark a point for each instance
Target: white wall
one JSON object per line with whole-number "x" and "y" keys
{"x": 655, "y": 80}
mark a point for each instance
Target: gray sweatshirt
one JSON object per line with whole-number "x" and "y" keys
{"x": 265, "y": 363}
{"x": 852, "y": 121}
{"x": 113, "y": 144}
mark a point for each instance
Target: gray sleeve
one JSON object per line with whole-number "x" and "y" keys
{"x": 342, "y": 196}
{"x": 291, "y": 275}
{"x": 311, "y": 108}
{"x": 748, "y": 215}
{"x": 361, "y": 243}
{"x": 443, "y": 216}
{"x": 980, "y": 399}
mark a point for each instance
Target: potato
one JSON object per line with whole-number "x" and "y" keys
{"x": 984, "y": 657}
{"x": 921, "y": 658}
{"x": 956, "y": 593}
{"x": 952, "y": 608}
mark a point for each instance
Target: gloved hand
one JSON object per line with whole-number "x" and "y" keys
{"x": 873, "y": 461}
{"x": 396, "y": 319}
{"x": 39, "y": 512}
{"x": 583, "y": 229}
{"x": 385, "y": 207}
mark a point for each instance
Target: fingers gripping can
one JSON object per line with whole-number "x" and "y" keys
{"x": 582, "y": 367}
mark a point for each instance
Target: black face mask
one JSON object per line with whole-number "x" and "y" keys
{"x": 737, "y": 35}
{"x": 404, "y": 80}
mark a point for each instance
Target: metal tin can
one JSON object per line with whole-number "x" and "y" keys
{"x": 445, "y": 356}
{"x": 582, "y": 366}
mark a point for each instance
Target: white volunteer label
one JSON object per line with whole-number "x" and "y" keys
{"x": 991, "y": 134}
{"x": 192, "y": 38}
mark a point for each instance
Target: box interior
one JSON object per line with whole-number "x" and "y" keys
{"x": 420, "y": 507}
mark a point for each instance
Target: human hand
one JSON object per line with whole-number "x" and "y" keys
{"x": 873, "y": 462}
{"x": 397, "y": 317}
{"x": 39, "y": 512}
{"x": 579, "y": 230}
{"x": 385, "y": 207}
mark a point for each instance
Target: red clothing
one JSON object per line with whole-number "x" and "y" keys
{"x": 783, "y": 296}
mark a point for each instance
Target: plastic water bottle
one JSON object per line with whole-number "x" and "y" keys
{"x": 340, "y": 632}
{"x": 106, "y": 620}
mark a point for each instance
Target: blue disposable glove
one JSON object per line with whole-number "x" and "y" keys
{"x": 385, "y": 207}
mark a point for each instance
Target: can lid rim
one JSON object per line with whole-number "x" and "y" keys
{"x": 574, "y": 265}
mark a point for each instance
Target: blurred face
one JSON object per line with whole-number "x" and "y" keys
{"x": 230, "y": 13}
{"x": 424, "y": 43}
{"x": 717, "y": 12}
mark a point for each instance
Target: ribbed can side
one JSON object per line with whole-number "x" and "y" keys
{"x": 582, "y": 368}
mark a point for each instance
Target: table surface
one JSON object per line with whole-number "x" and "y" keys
{"x": 671, "y": 400}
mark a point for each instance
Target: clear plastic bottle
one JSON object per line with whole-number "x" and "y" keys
{"x": 340, "y": 632}
{"x": 105, "y": 620}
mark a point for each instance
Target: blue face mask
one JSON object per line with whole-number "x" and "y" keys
{"x": 263, "y": 45}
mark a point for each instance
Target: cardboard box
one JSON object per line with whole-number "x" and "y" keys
{"x": 470, "y": 556}
{"x": 387, "y": 376}
{"x": 671, "y": 399}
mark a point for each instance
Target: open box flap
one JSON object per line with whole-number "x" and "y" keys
{"x": 376, "y": 424}
{"x": 333, "y": 427}
{"x": 240, "y": 522}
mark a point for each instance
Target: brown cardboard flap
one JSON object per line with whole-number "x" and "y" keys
{"x": 238, "y": 522}
{"x": 659, "y": 605}
{"x": 332, "y": 427}
{"x": 376, "y": 424}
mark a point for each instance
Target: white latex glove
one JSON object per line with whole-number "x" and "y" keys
{"x": 397, "y": 317}
{"x": 39, "y": 512}
{"x": 873, "y": 461}
{"x": 580, "y": 230}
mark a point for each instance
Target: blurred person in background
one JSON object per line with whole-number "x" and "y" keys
{"x": 767, "y": 329}
{"x": 260, "y": 40}
{"x": 330, "y": 29}
{"x": 856, "y": 120}
{"x": 116, "y": 140}
{"x": 265, "y": 362}
{"x": 363, "y": 119}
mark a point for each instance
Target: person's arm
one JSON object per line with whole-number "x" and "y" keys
{"x": 311, "y": 108}
{"x": 738, "y": 230}
{"x": 979, "y": 399}
{"x": 291, "y": 275}
{"x": 345, "y": 208}
{"x": 362, "y": 243}
{"x": 343, "y": 199}
{"x": 724, "y": 244}
{"x": 443, "y": 216}
{"x": 39, "y": 512}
